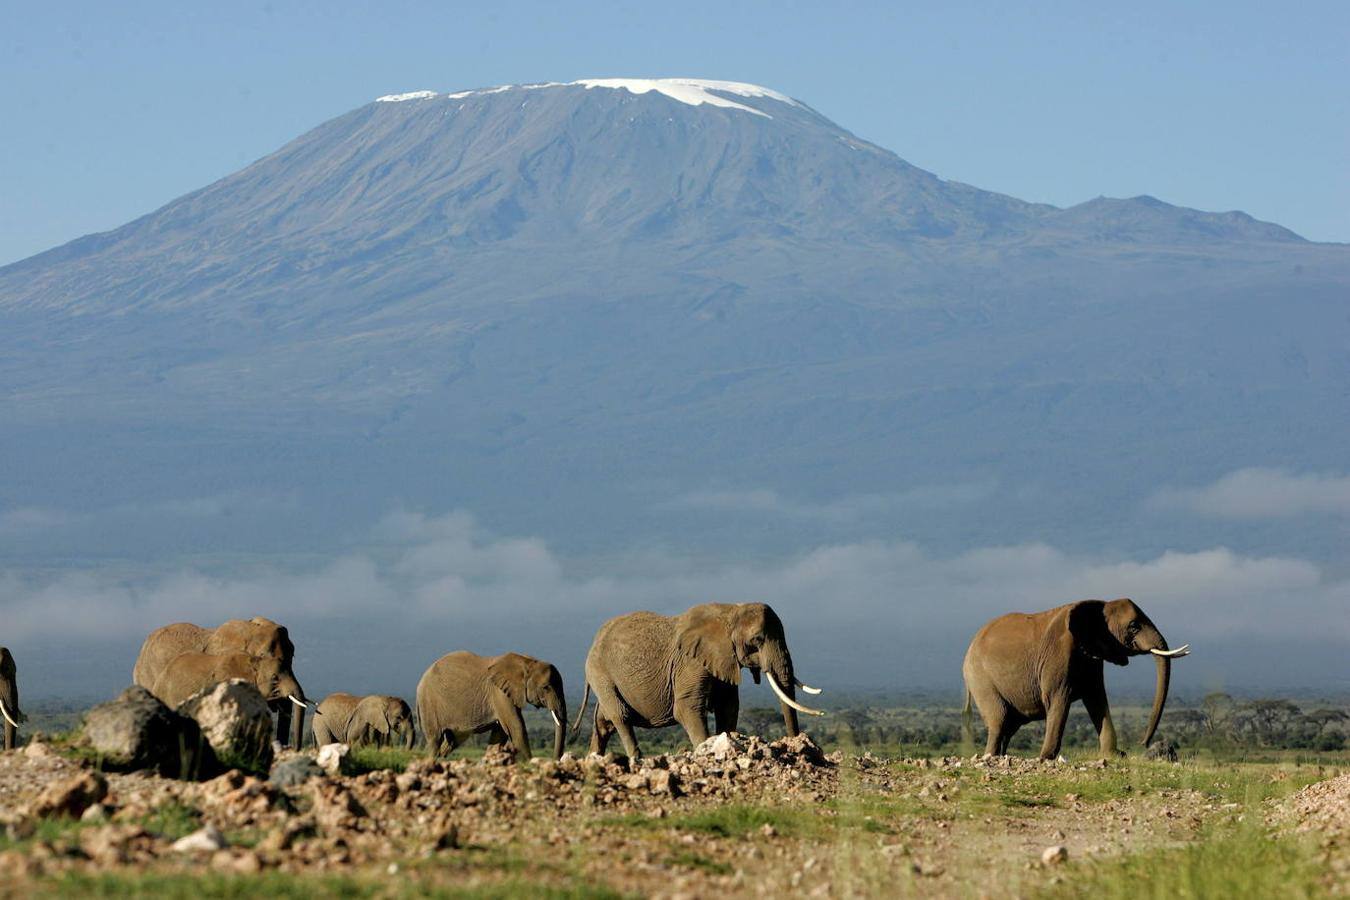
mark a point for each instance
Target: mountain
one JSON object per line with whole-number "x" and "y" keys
{"x": 579, "y": 303}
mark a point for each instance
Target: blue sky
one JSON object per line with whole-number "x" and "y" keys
{"x": 111, "y": 110}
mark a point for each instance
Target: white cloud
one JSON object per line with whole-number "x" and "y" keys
{"x": 763, "y": 501}
{"x": 440, "y": 573}
{"x": 1261, "y": 494}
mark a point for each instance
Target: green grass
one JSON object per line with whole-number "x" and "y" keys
{"x": 369, "y": 759}
{"x": 688, "y": 859}
{"x": 172, "y": 821}
{"x": 734, "y": 820}
{"x": 1245, "y": 863}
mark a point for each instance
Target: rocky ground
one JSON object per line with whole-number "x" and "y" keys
{"x": 1321, "y": 811}
{"x": 738, "y": 817}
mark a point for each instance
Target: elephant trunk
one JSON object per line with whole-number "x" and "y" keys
{"x": 410, "y": 735}
{"x": 559, "y": 728}
{"x": 292, "y": 711}
{"x": 297, "y": 735}
{"x": 777, "y": 663}
{"x": 1159, "y": 695}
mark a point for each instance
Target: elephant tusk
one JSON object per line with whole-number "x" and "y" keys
{"x": 5, "y": 713}
{"x": 556, "y": 720}
{"x": 1181, "y": 651}
{"x": 806, "y": 687}
{"x": 302, "y": 704}
{"x": 773, "y": 683}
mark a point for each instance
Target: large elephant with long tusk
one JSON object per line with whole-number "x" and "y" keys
{"x": 1026, "y": 667}
{"x": 257, "y": 636}
{"x": 649, "y": 671}
{"x": 9, "y": 698}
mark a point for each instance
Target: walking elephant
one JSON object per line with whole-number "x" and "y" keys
{"x": 189, "y": 673}
{"x": 257, "y": 636}
{"x": 376, "y": 719}
{"x": 463, "y": 693}
{"x": 9, "y": 698}
{"x": 1026, "y": 667}
{"x": 649, "y": 671}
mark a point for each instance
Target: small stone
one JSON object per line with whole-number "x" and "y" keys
{"x": 768, "y": 830}
{"x": 1054, "y": 856}
{"x": 331, "y": 757}
{"x": 207, "y": 839}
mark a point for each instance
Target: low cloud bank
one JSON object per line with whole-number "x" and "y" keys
{"x": 1261, "y": 494}
{"x": 869, "y": 612}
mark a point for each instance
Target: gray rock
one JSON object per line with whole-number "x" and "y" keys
{"x": 136, "y": 731}
{"x": 293, "y": 771}
{"x": 235, "y": 721}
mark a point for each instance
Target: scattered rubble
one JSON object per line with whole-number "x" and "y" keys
{"x": 69, "y": 797}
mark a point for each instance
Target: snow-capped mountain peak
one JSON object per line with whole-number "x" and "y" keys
{"x": 690, "y": 91}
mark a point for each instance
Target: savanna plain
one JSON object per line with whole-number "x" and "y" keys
{"x": 1240, "y": 797}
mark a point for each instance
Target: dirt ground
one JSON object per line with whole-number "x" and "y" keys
{"x": 740, "y": 817}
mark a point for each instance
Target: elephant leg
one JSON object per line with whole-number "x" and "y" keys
{"x": 1099, "y": 710}
{"x": 996, "y": 721}
{"x": 601, "y": 731}
{"x": 1056, "y": 716}
{"x": 726, "y": 710}
{"x": 441, "y": 743}
{"x": 693, "y": 718}
{"x": 497, "y": 734}
{"x": 1000, "y": 721}
{"x": 284, "y": 723}
{"x": 321, "y": 733}
{"x": 1012, "y": 721}
{"x": 608, "y": 702}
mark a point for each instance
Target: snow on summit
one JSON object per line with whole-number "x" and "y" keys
{"x": 691, "y": 91}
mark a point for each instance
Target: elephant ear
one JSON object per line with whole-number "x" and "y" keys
{"x": 1087, "y": 624}
{"x": 508, "y": 673}
{"x": 707, "y": 639}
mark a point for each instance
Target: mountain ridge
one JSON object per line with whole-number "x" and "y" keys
{"x": 608, "y": 297}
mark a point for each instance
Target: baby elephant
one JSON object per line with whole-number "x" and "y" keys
{"x": 376, "y": 719}
{"x": 464, "y": 693}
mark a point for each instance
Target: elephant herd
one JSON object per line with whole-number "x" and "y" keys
{"x": 650, "y": 671}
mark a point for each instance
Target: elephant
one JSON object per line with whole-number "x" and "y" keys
{"x": 376, "y": 719}
{"x": 256, "y": 637}
{"x": 1025, "y": 667}
{"x": 189, "y": 673}
{"x": 650, "y": 670}
{"x": 463, "y": 693}
{"x": 9, "y": 698}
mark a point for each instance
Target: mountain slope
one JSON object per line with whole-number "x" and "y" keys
{"x": 536, "y": 300}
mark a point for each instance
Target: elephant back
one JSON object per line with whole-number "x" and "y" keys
{"x": 162, "y": 646}
{"x": 189, "y": 673}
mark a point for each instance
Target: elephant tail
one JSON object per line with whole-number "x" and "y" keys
{"x": 968, "y": 721}
{"x": 581, "y": 711}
